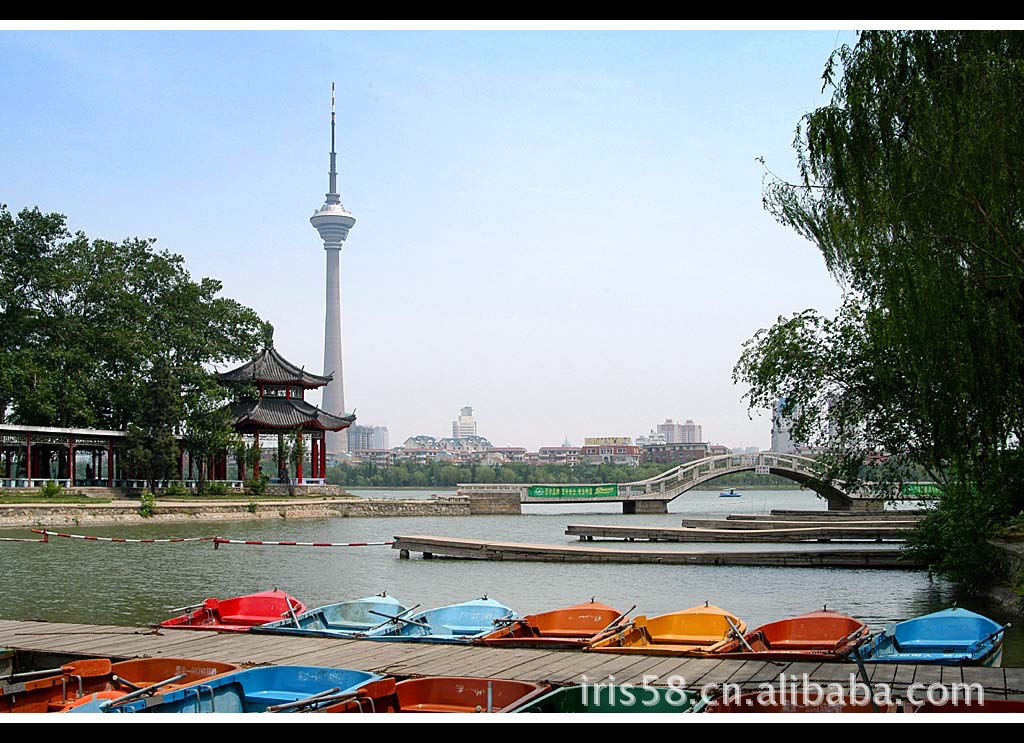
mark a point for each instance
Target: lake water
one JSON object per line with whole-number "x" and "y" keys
{"x": 102, "y": 583}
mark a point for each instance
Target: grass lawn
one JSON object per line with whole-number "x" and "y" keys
{"x": 39, "y": 500}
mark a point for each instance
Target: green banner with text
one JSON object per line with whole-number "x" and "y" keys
{"x": 573, "y": 491}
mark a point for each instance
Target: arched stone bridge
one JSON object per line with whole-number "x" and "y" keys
{"x": 653, "y": 494}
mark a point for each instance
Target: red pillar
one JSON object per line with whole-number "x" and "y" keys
{"x": 191, "y": 469}
{"x": 110, "y": 464}
{"x": 323, "y": 454}
{"x": 71, "y": 460}
{"x": 298, "y": 463}
{"x": 28, "y": 457}
{"x": 259, "y": 452}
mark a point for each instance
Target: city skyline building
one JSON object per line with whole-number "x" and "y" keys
{"x": 333, "y": 222}
{"x": 465, "y": 425}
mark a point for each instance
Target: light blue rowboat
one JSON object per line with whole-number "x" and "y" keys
{"x": 347, "y": 619}
{"x": 254, "y": 690}
{"x": 953, "y": 637}
{"x": 455, "y": 623}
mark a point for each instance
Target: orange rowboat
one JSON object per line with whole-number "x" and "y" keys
{"x": 237, "y": 614}
{"x": 440, "y": 694}
{"x": 820, "y": 635}
{"x": 86, "y": 678}
{"x": 571, "y": 627}
{"x": 702, "y": 629}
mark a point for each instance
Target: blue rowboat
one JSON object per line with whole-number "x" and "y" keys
{"x": 347, "y": 619}
{"x": 730, "y": 493}
{"x": 954, "y": 637}
{"x": 291, "y": 688}
{"x": 452, "y": 624}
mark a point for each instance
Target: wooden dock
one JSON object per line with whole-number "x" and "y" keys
{"x": 590, "y": 533}
{"x": 46, "y": 643}
{"x": 735, "y": 523}
{"x": 475, "y": 549}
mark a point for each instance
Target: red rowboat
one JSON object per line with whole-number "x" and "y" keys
{"x": 441, "y": 694}
{"x": 820, "y": 635}
{"x": 84, "y": 679}
{"x": 237, "y": 614}
{"x": 571, "y": 627}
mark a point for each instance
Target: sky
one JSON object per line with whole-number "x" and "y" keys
{"x": 562, "y": 229}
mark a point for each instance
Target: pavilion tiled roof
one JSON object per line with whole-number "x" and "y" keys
{"x": 270, "y": 367}
{"x": 285, "y": 414}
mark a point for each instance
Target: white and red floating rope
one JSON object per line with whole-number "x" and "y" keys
{"x": 121, "y": 540}
{"x": 217, "y": 541}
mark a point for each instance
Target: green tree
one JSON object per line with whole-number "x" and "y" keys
{"x": 909, "y": 186}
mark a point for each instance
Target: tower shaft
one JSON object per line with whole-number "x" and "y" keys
{"x": 334, "y": 393}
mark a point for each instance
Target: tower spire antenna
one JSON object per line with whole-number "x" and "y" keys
{"x": 333, "y": 191}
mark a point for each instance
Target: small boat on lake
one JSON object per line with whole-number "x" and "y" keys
{"x": 452, "y": 624}
{"x": 820, "y": 635}
{"x": 611, "y": 699}
{"x": 78, "y": 681}
{"x": 953, "y": 637}
{"x": 237, "y": 614}
{"x": 760, "y": 703}
{"x": 730, "y": 493}
{"x": 702, "y": 629}
{"x": 571, "y": 627}
{"x": 441, "y": 694}
{"x": 265, "y": 689}
{"x": 347, "y": 619}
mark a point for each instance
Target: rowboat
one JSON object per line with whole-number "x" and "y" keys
{"x": 953, "y": 637}
{"x": 66, "y": 688}
{"x": 265, "y": 689}
{"x": 442, "y": 694}
{"x": 571, "y": 627}
{"x": 730, "y": 493}
{"x": 451, "y": 624}
{"x": 237, "y": 614}
{"x": 702, "y": 629}
{"x": 765, "y": 703}
{"x": 608, "y": 698}
{"x": 820, "y": 635}
{"x": 347, "y": 619}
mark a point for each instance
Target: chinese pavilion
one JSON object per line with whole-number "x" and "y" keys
{"x": 279, "y": 407}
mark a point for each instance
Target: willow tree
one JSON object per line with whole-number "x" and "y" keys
{"x": 911, "y": 185}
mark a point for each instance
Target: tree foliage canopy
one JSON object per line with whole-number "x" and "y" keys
{"x": 910, "y": 184}
{"x": 103, "y": 334}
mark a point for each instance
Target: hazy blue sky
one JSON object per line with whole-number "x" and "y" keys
{"x": 561, "y": 229}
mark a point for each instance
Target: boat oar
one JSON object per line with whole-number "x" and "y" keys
{"x": 739, "y": 635}
{"x": 89, "y": 668}
{"x": 400, "y": 618}
{"x": 125, "y": 682}
{"x": 990, "y": 636}
{"x": 317, "y": 700}
{"x": 291, "y": 610}
{"x": 615, "y": 622}
{"x": 864, "y": 675}
{"x": 390, "y": 618}
{"x": 144, "y": 691}
{"x": 187, "y": 608}
{"x": 305, "y": 702}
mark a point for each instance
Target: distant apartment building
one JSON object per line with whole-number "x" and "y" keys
{"x": 693, "y": 433}
{"x": 611, "y": 450}
{"x": 564, "y": 455}
{"x": 670, "y": 431}
{"x": 383, "y": 458}
{"x": 651, "y": 439}
{"x": 367, "y": 437}
{"x": 466, "y": 443}
{"x": 465, "y": 424}
{"x": 509, "y": 453}
{"x": 673, "y": 454}
{"x": 716, "y": 450}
